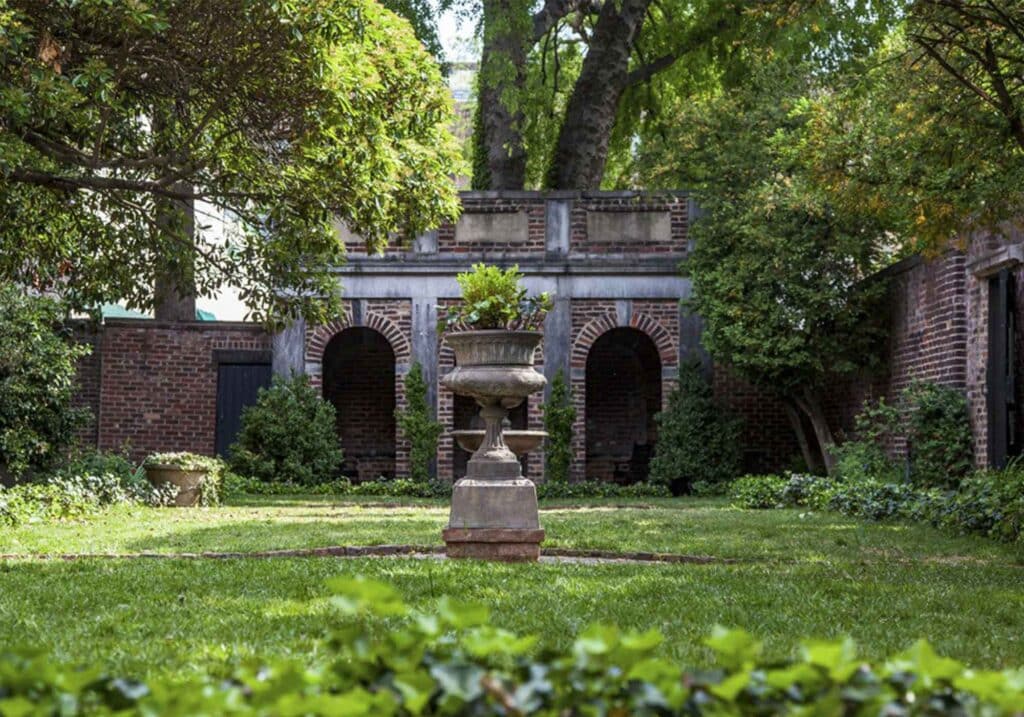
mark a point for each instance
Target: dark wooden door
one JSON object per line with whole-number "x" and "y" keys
{"x": 237, "y": 387}
{"x": 1003, "y": 439}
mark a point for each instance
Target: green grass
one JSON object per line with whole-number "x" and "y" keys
{"x": 804, "y": 575}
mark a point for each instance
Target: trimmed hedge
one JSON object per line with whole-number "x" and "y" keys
{"x": 989, "y": 503}
{"x": 406, "y": 488}
{"x": 454, "y": 662}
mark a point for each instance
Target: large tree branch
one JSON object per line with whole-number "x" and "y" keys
{"x": 646, "y": 72}
{"x": 118, "y": 184}
{"x": 545, "y": 19}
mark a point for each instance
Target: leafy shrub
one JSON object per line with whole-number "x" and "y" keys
{"x": 493, "y": 298}
{"x": 698, "y": 441}
{"x": 934, "y": 421}
{"x": 938, "y": 435}
{"x": 600, "y": 489}
{"x": 804, "y": 490}
{"x": 85, "y": 485}
{"x": 394, "y": 488}
{"x": 288, "y": 435}
{"x": 864, "y": 457}
{"x": 400, "y": 487}
{"x": 416, "y": 425}
{"x": 872, "y": 499}
{"x": 758, "y": 492}
{"x": 211, "y": 487}
{"x": 559, "y": 415}
{"x": 38, "y": 361}
{"x": 989, "y": 503}
{"x": 386, "y": 660}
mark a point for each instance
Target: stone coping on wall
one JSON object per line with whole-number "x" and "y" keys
{"x": 185, "y": 325}
{"x": 615, "y": 264}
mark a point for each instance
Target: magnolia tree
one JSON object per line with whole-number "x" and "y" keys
{"x": 125, "y": 124}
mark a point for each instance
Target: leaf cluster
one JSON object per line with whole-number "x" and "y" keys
{"x": 386, "y": 659}
{"x": 271, "y": 121}
{"x": 38, "y": 364}
{"x": 494, "y": 298}
{"x": 698, "y": 440}
{"x": 559, "y": 417}
{"x": 417, "y": 425}
{"x": 288, "y": 435}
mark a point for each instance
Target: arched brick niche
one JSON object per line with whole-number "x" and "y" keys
{"x": 359, "y": 362}
{"x": 623, "y": 394}
{"x": 655, "y": 356}
{"x": 359, "y": 380}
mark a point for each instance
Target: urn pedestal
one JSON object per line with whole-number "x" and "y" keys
{"x": 494, "y": 508}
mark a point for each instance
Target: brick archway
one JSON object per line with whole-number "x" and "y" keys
{"x": 319, "y": 337}
{"x": 322, "y": 335}
{"x": 664, "y": 342}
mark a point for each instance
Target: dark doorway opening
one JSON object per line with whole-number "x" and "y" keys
{"x": 1004, "y": 430}
{"x": 623, "y": 394}
{"x": 359, "y": 379}
{"x": 238, "y": 384}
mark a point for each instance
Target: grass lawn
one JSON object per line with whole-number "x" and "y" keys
{"x": 803, "y": 574}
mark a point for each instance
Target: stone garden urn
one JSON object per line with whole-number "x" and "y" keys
{"x": 494, "y": 508}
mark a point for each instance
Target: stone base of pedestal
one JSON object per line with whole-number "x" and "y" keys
{"x": 503, "y": 544}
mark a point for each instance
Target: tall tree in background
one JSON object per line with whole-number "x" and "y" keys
{"x": 778, "y": 271}
{"x": 932, "y": 137}
{"x": 117, "y": 117}
{"x": 623, "y": 55}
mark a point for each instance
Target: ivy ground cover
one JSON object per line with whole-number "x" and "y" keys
{"x": 797, "y": 574}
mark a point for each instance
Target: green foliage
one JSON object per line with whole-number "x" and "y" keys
{"x": 934, "y": 421}
{"x": 452, "y": 660}
{"x": 288, "y": 435}
{"x": 777, "y": 270}
{"x": 211, "y": 487}
{"x": 559, "y": 416}
{"x": 87, "y": 483}
{"x": 300, "y": 114}
{"x": 938, "y": 432}
{"x": 392, "y": 488}
{"x": 416, "y": 425}
{"x": 599, "y": 489}
{"x": 493, "y": 298}
{"x": 988, "y": 503}
{"x": 37, "y": 382}
{"x": 929, "y": 137}
{"x": 698, "y": 441}
{"x": 758, "y": 492}
{"x": 865, "y": 456}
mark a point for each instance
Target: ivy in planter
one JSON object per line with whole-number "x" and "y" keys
{"x": 210, "y": 487}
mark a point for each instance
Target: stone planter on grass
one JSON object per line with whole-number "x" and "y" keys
{"x": 494, "y": 508}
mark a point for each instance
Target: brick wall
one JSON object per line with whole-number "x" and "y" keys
{"x": 392, "y": 320}
{"x": 641, "y": 233}
{"x": 158, "y": 383}
{"x": 359, "y": 379}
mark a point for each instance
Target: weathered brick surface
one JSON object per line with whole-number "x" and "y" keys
{"x": 580, "y": 242}
{"x": 158, "y": 383}
{"x": 372, "y": 446}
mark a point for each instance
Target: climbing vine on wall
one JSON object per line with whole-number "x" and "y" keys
{"x": 417, "y": 425}
{"x": 559, "y": 415}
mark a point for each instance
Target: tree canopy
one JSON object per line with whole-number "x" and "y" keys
{"x": 778, "y": 269}
{"x": 567, "y": 85}
{"x": 118, "y": 118}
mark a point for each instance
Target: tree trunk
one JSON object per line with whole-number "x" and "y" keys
{"x": 810, "y": 404}
{"x": 507, "y": 39}
{"x": 174, "y": 291}
{"x": 801, "y": 435}
{"x": 582, "y": 150}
